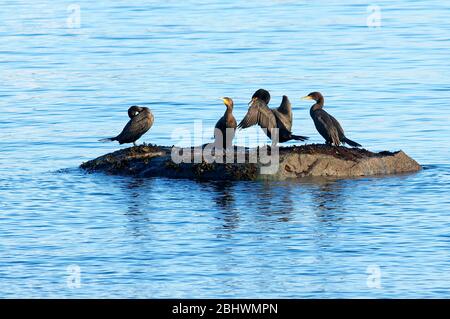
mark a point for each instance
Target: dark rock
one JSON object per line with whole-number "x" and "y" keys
{"x": 252, "y": 164}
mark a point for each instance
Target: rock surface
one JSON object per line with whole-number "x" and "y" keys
{"x": 314, "y": 160}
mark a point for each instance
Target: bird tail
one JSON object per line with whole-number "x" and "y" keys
{"x": 299, "y": 137}
{"x": 350, "y": 142}
{"x": 108, "y": 139}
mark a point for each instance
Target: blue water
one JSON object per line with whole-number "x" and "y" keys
{"x": 64, "y": 233}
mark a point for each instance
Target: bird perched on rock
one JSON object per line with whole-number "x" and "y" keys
{"x": 225, "y": 126}
{"x": 327, "y": 125}
{"x": 141, "y": 120}
{"x": 274, "y": 121}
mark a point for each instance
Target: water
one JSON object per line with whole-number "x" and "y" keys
{"x": 62, "y": 88}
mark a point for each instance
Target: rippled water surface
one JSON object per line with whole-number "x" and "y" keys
{"x": 63, "y": 87}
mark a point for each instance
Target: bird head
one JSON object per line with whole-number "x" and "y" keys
{"x": 134, "y": 110}
{"x": 262, "y": 95}
{"x": 227, "y": 101}
{"x": 316, "y": 96}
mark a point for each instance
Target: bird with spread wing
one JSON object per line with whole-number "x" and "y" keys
{"x": 276, "y": 123}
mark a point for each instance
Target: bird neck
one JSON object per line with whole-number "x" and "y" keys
{"x": 228, "y": 114}
{"x": 318, "y": 105}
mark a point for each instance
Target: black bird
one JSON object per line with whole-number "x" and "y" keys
{"x": 141, "y": 120}
{"x": 226, "y": 124}
{"x": 326, "y": 124}
{"x": 268, "y": 119}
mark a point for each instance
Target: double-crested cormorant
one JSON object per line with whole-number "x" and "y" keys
{"x": 279, "y": 118}
{"x": 141, "y": 120}
{"x": 226, "y": 125}
{"x": 326, "y": 124}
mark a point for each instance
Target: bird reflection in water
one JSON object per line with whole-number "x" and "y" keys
{"x": 274, "y": 200}
{"x": 329, "y": 199}
{"x": 223, "y": 196}
{"x": 264, "y": 203}
{"x": 139, "y": 221}
{"x": 329, "y": 203}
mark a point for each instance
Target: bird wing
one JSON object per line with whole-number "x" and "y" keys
{"x": 338, "y": 127}
{"x": 221, "y": 123}
{"x": 326, "y": 125}
{"x": 283, "y": 121}
{"x": 258, "y": 113}
{"x": 283, "y": 114}
{"x": 285, "y": 107}
{"x": 224, "y": 124}
{"x": 136, "y": 127}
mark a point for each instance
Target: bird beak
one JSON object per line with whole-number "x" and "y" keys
{"x": 307, "y": 98}
{"x": 223, "y": 100}
{"x": 253, "y": 100}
